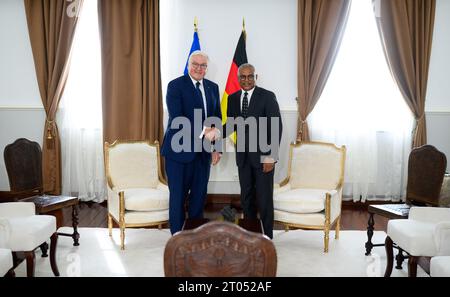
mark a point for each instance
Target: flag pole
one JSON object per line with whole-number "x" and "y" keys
{"x": 243, "y": 28}
{"x": 195, "y": 24}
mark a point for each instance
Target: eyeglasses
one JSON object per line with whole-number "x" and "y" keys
{"x": 201, "y": 66}
{"x": 250, "y": 77}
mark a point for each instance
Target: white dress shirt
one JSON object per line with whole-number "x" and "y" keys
{"x": 249, "y": 96}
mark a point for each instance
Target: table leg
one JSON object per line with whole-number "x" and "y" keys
{"x": 75, "y": 235}
{"x": 370, "y": 224}
{"x": 399, "y": 258}
{"x": 44, "y": 249}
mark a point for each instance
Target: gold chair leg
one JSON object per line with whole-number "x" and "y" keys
{"x": 326, "y": 239}
{"x": 110, "y": 223}
{"x": 122, "y": 237}
{"x": 160, "y": 226}
{"x": 338, "y": 228}
{"x": 286, "y": 228}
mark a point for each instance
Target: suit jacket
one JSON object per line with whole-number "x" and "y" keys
{"x": 182, "y": 98}
{"x": 263, "y": 103}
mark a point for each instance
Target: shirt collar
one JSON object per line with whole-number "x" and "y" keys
{"x": 194, "y": 81}
{"x": 249, "y": 92}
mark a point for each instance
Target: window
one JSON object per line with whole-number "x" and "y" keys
{"x": 80, "y": 113}
{"x": 362, "y": 107}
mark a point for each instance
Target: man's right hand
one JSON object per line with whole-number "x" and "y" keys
{"x": 212, "y": 133}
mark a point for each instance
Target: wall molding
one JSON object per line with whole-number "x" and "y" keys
{"x": 21, "y": 108}
{"x": 438, "y": 112}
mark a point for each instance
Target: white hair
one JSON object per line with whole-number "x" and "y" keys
{"x": 246, "y": 65}
{"x": 198, "y": 53}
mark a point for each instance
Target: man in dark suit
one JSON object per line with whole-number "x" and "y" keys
{"x": 190, "y": 98}
{"x": 257, "y": 145}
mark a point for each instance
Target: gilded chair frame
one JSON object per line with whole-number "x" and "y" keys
{"x": 328, "y": 224}
{"x": 121, "y": 222}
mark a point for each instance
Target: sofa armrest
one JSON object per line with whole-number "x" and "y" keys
{"x": 277, "y": 189}
{"x": 429, "y": 214}
{"x": 4, "y": 232}
{"x": 442, "y": 238}
{"x": 17, "y": 209}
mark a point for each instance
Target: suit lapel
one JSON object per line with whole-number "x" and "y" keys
{"x": 253, "y": 99}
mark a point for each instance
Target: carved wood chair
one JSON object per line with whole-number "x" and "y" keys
{"x": 23, "y": 162}
{"x": 219, "y": 249}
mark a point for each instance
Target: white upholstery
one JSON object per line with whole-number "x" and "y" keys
{"x": 146, "y": 199}
{"x": 414, "y": 237}
{"x": 315, "y": 166}
{"x": 315, "y": 170}
{"x": 6, "y": 261}
{"x": 133, "y": 165}
{"x": 25, "y": 232}
{"x": 440, "y": 266}
{"x": 133, "y": 170}
{"x": 425, "y": 233}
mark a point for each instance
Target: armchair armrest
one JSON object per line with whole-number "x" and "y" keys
{"x": 278, "y": 188}
{"x": 442, "y": 238}
{"x": 429, "y": 214}
{"x": 17, "y": 209}
{"x": 114, "y": 202}
{"x": 4, "y": 232}
{"x": 336, "y": 203}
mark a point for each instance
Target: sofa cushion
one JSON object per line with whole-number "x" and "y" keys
{"x": 27, "y": 233}
{"x": 415, "y": 237}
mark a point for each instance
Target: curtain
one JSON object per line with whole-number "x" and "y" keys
{"x": 361, "y": 107}
{"x": 406, "y": 31}
{"x": 131, "y": 80}
{"x": 51, "y": 26}
{"x": 321, "y": 24}
{"x": 80, "y": 114}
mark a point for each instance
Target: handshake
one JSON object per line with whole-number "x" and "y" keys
{"x": 211, "y": 133}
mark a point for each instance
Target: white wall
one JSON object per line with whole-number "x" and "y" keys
{"x": 21, "y": 112}
{"x": 438, "y": 92}
{"x": 18, "y": 85}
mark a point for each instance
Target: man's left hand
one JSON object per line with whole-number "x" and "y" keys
{"x": 216, "y": 157}
{"x": 268, "y": 165}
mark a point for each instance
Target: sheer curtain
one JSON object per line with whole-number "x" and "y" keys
{"x": 80, "y": 114}
{"x": 362, "y": 108}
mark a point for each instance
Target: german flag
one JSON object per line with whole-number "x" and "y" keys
{"x": 232, "y": 86}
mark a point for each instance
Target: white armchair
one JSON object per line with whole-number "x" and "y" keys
{"x": 6, "y": 260}
{"x": 426, "y": 233}
{"x": 25, "y": 231}
{"x": 137, "y": 193}
{"x": 311, "y": 196}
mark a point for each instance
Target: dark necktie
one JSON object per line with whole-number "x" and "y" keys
{"x": 245, "y": 105}
{"x": 197, "y": 87}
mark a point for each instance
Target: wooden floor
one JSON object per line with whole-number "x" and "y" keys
{"x": 95, "y": 215}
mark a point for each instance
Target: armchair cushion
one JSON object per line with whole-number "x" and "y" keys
{"x": 300, "y": 200}
{"x": 142, "y": 217}
{"x": 6, "y": 261}
{"x": 308, "y": 219}
{"x": 415, "y": 237}
{"x": 440, "y": 266}
{"x": 27, "y": 233}
{"x": 146, "y": 199}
